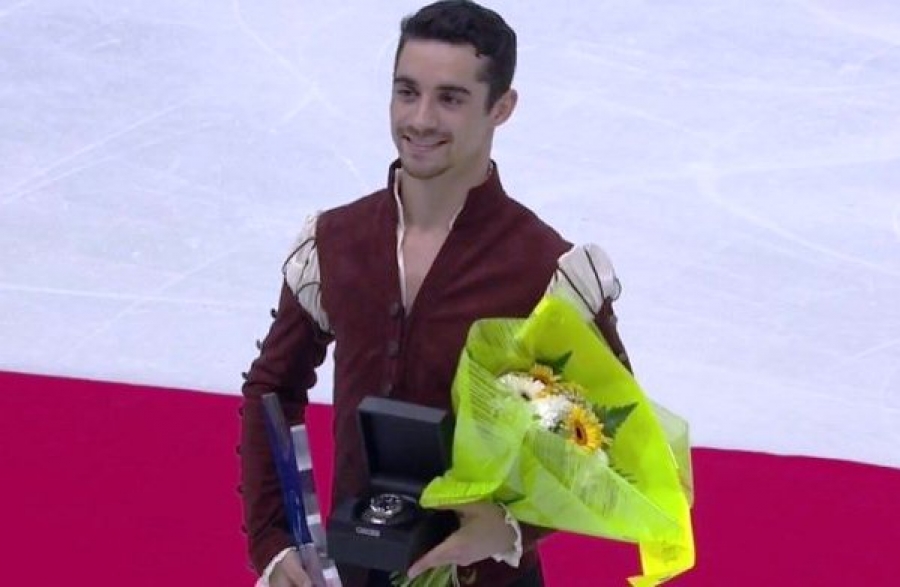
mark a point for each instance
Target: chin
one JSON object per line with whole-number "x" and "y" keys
{"x": 421, "y": 171}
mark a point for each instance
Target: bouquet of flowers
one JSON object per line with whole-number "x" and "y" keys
{"x": 549, "y": 423}
{"x": 561, "y": 407}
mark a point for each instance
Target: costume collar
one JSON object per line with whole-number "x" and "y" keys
{"x": 479, "y": 204}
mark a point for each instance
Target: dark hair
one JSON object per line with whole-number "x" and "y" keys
{"x": 462, "y": 22}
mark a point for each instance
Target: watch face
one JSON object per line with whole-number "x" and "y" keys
{"x": 387, "y": 509}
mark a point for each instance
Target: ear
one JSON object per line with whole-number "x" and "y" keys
{"x": 504, "y": 107}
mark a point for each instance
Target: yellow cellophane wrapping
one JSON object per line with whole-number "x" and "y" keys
{"x": 500, "y": 453}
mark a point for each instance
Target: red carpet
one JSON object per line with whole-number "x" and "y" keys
{"x": 110, "y": 485}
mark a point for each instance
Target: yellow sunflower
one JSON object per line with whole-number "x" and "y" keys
{"x": 584, "y": 429}
{"x": 573, "y": 388}
{"x": 544, "y": 374}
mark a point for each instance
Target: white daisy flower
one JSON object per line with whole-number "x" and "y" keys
{"x": 551, "y": 410}
{"x": 522, "y": 384}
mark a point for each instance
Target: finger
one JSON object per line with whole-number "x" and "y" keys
{"x": 289, "y": 573}
{"x": 445, "y": 553}
{"x": 298, "y": 578}
{"x": 283, "y": 580}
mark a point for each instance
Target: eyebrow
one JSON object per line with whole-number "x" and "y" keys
{"x": 408, "y": 81}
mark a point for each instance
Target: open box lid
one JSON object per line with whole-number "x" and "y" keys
{"x": 406, "y": 445}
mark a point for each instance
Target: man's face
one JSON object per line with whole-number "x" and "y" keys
{"x": 439, "y": 117}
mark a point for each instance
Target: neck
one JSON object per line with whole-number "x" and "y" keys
{"x": 435, "y": 202}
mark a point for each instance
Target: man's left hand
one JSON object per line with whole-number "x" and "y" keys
{"x": 483, "y": 532}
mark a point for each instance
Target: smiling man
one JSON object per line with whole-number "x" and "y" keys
{"x": 396, "y": 278}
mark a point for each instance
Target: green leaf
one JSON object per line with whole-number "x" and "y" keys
{"x": 621, "y": 473}
{"x": 435, "y": 577}
{"x": 612, "y": 418}
{"x": 557, "y": 364}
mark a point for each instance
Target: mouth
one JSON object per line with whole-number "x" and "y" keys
{"x": 420, "y": 146}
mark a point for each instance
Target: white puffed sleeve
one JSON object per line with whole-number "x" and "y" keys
{"x": 301, "y": 273}
{"x": 585, "y": 277}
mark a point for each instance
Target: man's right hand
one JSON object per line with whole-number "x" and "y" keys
{"x": 289, "y": 573}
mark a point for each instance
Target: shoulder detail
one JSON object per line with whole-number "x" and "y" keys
{"x": 302, "y": 274}
{"x": 585, "y": 276}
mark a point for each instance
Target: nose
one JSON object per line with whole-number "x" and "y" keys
{"x": 424, "y": 115}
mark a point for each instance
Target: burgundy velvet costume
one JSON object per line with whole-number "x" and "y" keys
{"x": 496, "y": 261}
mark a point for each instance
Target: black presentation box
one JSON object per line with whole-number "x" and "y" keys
{"x": 406, "y": 446}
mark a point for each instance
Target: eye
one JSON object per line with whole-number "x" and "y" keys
{"x": 405, "y": 93}
{"x": 451, "y": 99}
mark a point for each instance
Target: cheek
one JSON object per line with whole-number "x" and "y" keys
{"x": 395, "y": 111}
{"x": 476, "y": 131}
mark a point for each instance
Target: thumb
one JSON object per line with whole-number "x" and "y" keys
{"x": 445, "y": 553}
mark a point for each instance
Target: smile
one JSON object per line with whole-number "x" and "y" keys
{"x": 423, "y": 147}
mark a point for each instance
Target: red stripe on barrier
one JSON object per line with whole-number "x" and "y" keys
{"x": 116, "y": 484}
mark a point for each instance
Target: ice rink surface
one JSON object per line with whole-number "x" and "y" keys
{"x": 739, "y": 161}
